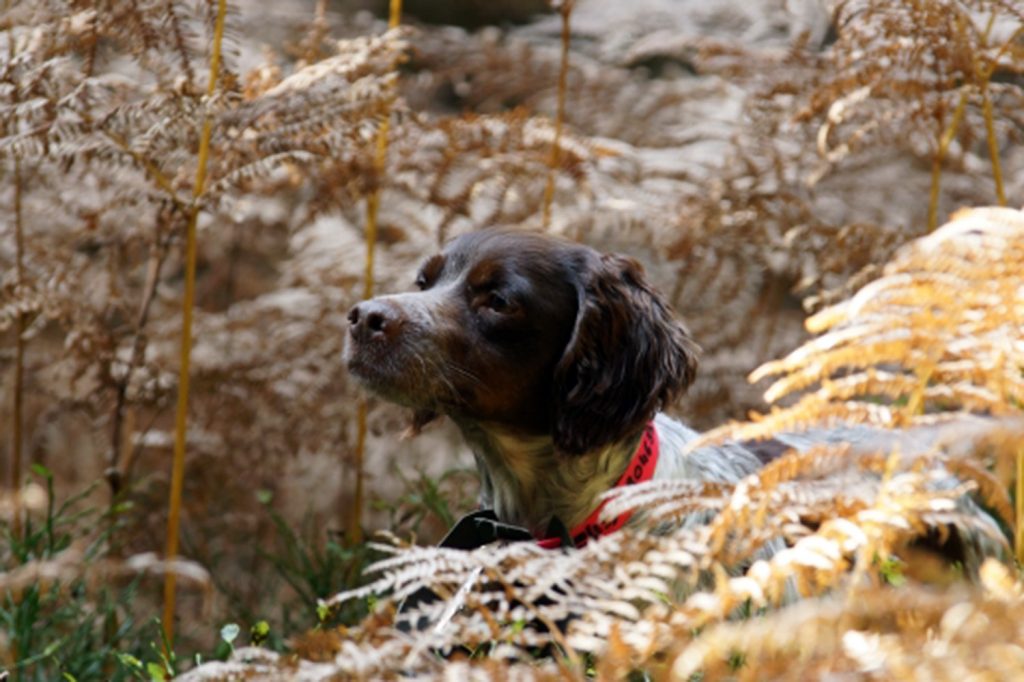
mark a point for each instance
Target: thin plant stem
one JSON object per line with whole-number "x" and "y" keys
{"x": 354, "y": 532}
{"x": 120, "y": 437}
{"x": 354, "y": 526}
{"x": 19, "y": 358}
{"x": 19, "y": 353}
{"x": 1019, "y": 504}
{"x": 17, "y": 415}
{"x": 940, "y": 156}
{"x": 394, "y": 13}
{"x": 993, "y": 143}
{"x": 983, "y": 74}
{"x": 181, "y": 416}
{"x": 318, "y": 30}
{"x": 563, "y": 79}
{"x": 916, "y": 402}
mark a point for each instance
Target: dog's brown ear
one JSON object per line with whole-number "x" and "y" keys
{"x": 627, "y": 358}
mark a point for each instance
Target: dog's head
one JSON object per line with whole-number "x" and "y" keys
{"x": 528, "y": 333}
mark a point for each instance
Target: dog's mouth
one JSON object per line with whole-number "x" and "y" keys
{"x": 377, "y": 370}
{"x": 397, "y": 374}
{"x": 363, "y": 368}
{"x": 383, "y": 380}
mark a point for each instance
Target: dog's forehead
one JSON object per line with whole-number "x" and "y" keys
{"x": 487, "y": 244}
{"x": 505, "y": 251}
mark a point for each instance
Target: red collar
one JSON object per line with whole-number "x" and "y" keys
{"x": 641, "y": 468}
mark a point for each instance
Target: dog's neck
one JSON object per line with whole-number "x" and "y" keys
{"x": 526, "y": 482}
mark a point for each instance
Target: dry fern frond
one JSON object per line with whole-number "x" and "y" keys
{"x": 326, "y": 112}
{"x": 639, "y": 593}
{"x": 477, "y": 171}
{"x": 904, "y": 69}
{"x": 939, "y": 331}
{"x": 908, "y": 633}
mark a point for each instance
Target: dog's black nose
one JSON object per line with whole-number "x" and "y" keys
{"x": 373, "y": 319}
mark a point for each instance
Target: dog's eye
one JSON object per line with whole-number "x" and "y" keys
{"x": 497, "y": 302}
{"x": 421, "y": 282}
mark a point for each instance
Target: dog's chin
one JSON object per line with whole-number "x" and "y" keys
{"x": 382, "y": 380}
{"x": 384, "y": 387}
{"x": 371, "y": 381}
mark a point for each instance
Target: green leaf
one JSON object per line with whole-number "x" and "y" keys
{"x": 129, "y": 661}
{"x": 259, "y": 632}
{"x": 156, "y": 671}
{"x": 891, "y": 570}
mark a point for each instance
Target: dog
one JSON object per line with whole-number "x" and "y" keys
{"x": 554, "y": 361}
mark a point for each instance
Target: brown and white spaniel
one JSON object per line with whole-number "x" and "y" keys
{"x": 553, "y": 360}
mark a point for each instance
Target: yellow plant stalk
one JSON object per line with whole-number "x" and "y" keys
{"x": 945, "y": 139}
{"x": 181, "y": 416}
{"x": 355, "y": 519}
{"x": 19, "y": 361}
{"x": 1018, "y": 544}
{"x": 563, "y": 77}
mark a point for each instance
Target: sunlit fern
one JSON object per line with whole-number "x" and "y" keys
{"x": 939, "y": 331}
